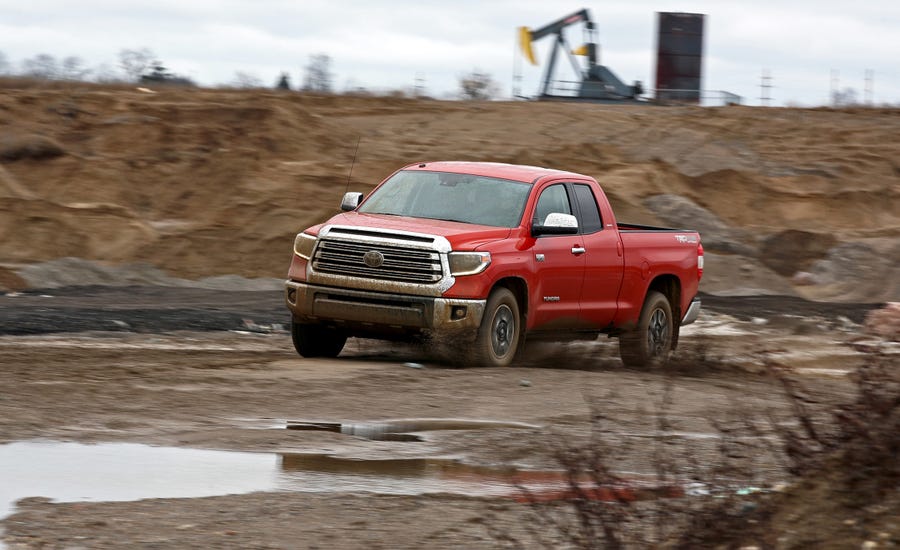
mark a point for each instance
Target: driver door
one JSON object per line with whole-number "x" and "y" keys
{"x": 558, "y": 262}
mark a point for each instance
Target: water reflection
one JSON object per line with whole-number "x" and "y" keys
{"x": 74, "y": 472}
{"x": 70, "y": 472}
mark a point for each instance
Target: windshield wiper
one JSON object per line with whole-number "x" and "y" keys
{"x": 448, "y": 220}
{"x": 383, "y": 213}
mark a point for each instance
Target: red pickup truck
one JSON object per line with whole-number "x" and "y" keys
{"x": 491, "y": 254}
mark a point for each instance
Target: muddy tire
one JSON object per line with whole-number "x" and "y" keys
{"x": 649, "y": 345}
{"x": 317, "y": 341}
{"x": 500, "y": 331}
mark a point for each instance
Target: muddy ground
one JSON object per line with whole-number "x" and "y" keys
{"x": 184, "y": 368}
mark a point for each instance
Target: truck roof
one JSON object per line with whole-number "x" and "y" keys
{"x": 515, "y": 172}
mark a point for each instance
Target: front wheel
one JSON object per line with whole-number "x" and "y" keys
{"x": 500, "y": 331}
{"x": 316, "y": 340}
{"x": 650, "y": 343}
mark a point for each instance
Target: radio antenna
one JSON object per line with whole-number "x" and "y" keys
{"x": 352, "y": 163}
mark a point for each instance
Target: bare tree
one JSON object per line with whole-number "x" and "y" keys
{"x": 136, "y": 63}
{"x": 318, "y": 75}
{"x": 246, "y": 80}
{"x": 73, "y": 69}
{"x": 104, "y": 73}
{"x": 477, "y": 85}
{"x": 4, "y": 64}
{"x": 41, "y": 66}
{"x": 844, "y": 98}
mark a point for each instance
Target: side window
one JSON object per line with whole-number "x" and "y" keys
{"x": 553, "y": 199}
{"x": 590, "y": 214}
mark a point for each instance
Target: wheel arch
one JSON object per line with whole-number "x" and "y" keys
{"x": 669, "y": 286}
{"x": 519, "y": 288}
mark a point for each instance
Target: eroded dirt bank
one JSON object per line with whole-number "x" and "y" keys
{"x": 200, "y": 183}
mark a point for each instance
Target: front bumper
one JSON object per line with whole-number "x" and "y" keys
{"x": 378, "y": 311}
{"x": 692, "y": 313}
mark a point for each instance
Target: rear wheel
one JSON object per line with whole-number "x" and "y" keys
{"x": 650, "y": 343}
{"x": 316, "y": 340}
{"x": 500, "y": 331}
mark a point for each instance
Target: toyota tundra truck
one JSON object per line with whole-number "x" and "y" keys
{"x": 489, "y": 255}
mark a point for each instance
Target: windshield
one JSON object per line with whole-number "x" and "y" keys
{"x": 449, "y": 196}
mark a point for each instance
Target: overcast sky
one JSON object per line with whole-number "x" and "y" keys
{"x": 382, "y": 44}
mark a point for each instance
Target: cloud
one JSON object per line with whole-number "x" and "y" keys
{"x": 385, "y": 44}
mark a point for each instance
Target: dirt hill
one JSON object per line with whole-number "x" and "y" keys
{"x": 210, "y": 182}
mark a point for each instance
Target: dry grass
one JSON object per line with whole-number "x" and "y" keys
{"x": 30, "y": 83}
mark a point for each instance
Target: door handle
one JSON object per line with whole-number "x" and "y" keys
{"x": 578, "y": 250}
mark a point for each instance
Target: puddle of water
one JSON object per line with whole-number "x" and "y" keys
{"x": 70, "y": 472}
{"x": 404, "y": 429}
{"x": 74, "y": 472}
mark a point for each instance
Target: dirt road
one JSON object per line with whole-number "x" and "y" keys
{"x": 428, "y": 483}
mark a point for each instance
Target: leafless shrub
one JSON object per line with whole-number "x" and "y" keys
{"x": 245, "y": 80}
{"x": 862, "y": 437}
{"x": 317, "y": 74}
{"x": 718, "y": 498}
{"x": 477, "y": 85}
{"x": 135, "y": 63}
{"x": 692, "y": 499}
{"x": 596, "y": 507}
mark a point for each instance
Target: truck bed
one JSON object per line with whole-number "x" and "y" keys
{"x": 637, "y": 227}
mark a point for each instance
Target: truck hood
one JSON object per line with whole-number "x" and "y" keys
{"x": 462, "y": 236}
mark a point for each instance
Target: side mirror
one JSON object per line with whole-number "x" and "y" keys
{"x": 350, "y": 201}
{"x": 556, "y": 224}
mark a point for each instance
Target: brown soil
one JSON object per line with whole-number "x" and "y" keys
{"x": 201, "y": 182}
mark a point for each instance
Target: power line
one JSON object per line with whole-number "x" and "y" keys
{"x": 517, "y": 70}
{"x": 765, "y": 85}
{"x": 869, "y": 90}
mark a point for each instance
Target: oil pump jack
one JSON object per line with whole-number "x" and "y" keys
{"x": 598, "y": 83}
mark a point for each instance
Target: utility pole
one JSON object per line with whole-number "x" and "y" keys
{"x": 869, "y": 93}
{"x": 765, "y": 84}
{"x": 517, "y": 69}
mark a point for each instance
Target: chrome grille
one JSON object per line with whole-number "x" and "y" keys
{"x": 403, "y": 264}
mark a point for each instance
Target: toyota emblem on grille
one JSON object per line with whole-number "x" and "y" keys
{"x": 373, "y": 258}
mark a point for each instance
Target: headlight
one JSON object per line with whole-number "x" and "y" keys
{"x": 303, "y": 245}
{"x": 468, "y": 263}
